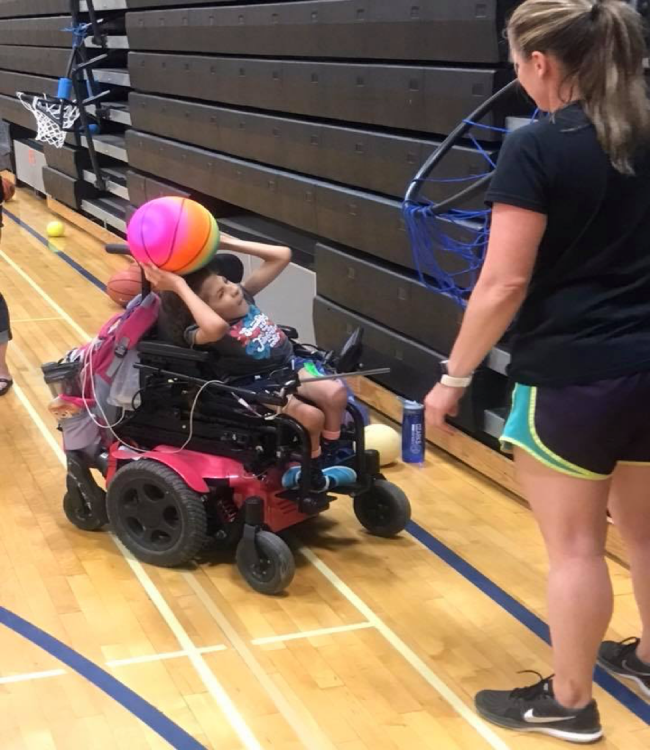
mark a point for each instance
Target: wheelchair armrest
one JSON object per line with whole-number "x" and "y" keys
{"x": 290, "y": 332}
{"x": 169, "y": 352}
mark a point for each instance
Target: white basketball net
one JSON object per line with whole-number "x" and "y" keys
{"x": 48, "y": 117}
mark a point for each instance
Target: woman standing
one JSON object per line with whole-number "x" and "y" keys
{"x": 569, "y": 255}
{"x": 5, "y": 337}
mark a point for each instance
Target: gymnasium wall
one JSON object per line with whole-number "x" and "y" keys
{"x": 299, "y": 121}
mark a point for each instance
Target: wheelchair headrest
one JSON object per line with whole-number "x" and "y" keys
{"x": 228, "y": 265}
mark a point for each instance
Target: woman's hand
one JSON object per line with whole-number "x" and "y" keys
{"x": 162, "y": 281}
{"x": 441, "y": 402}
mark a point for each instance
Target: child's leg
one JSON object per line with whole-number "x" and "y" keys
{"x": 331, "y": 397}
{"x": 311, "y": 418}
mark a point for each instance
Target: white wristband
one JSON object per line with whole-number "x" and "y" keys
{"x": 455, "y": 382}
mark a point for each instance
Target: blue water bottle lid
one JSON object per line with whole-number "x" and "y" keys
{"x": 413, "y": 405}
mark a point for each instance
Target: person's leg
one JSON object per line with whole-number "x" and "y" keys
{"x": 5, "y": 337}
{"x": 572, "y": 515}
{"x": 331, "y": 397}
{"x": 311, "y": 418}
{"x": 629, "y": 505}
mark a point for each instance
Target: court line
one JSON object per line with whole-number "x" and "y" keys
{"x": 311, "y": 633}
{"x": 607, "y": 682}
{"x": 208, "y": 677}
{"x": 162, "y": 657}
{"x": 32, "y": 676}
{"x": 60, "y": 253}
{"x": 305, "y": 727}
{"x": 407, "y": 653}
{"x": 612, "y": 686}
{"x": 31, "y": 320}
{"x": 132, "y": 702}
{"x": 39, "y": 290}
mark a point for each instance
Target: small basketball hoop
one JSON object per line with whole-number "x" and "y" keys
{"x": 55, "y": 117}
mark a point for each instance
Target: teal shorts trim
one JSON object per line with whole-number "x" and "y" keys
{"x": 521, "y": 430}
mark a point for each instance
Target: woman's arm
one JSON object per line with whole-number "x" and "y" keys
{"x": 499, "y": 293}
{"x": 276, "y": 258}
{"x": 211, "y": 326}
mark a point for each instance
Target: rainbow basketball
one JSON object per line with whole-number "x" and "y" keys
{"x": 175, "y": 234}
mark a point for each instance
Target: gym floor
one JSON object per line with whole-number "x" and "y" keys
{"x": 378, "y": 644}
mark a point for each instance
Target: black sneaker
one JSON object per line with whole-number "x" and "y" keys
{"x": 621, "y": 659}
{"x": 534, "y": 709}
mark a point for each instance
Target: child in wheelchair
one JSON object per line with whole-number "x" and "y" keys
{"x": 204, "y": 310}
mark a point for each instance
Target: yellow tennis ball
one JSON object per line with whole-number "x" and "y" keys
{"x": 386, "y": 441}
{"x": 55, "y": 229}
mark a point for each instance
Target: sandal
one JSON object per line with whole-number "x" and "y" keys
{"x": 7, "y": 382}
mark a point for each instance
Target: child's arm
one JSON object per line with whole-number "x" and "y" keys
{"x": 276, "y": 258}
{"x": 211, "y": 326}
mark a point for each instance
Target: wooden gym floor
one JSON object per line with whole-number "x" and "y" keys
{"x": 378, "y": 645}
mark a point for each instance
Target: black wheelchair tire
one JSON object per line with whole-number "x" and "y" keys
{"x": 384, "y": 510}
{"x": 183, "y": 521}
{"x": 278, "y": 564}
{"x": 79, "y": 514}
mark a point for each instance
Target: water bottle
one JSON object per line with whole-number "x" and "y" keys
{"x": 413, "y": 436}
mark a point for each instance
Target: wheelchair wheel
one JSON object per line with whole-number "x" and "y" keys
{"x": 384, "y": 510}
{"x": 272, "y": 569}
{"x": 156, "y": 515}
{"x": 79, "y": 513}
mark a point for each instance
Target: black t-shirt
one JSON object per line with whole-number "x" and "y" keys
{"x": 587, "y": 313}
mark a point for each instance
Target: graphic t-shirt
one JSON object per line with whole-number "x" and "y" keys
{"x": 253, "y": 344}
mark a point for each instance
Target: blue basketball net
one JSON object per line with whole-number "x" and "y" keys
{"x": 449, "y": 248}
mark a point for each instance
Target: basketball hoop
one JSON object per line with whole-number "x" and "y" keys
{"x": 55, "y": 117}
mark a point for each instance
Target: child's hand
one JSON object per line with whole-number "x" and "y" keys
{"x": 162, "y": 281}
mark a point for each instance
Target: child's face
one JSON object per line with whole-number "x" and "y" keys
{"x": 224, "y": 297}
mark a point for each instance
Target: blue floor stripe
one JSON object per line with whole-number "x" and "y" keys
{"x": 64, "y": 257}
{"x": 132, "y": 702}
{"x": 610, "y": 684}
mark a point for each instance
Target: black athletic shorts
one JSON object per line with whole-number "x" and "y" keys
{"x": 583, "y": 430}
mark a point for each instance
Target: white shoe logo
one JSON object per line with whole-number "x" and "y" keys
{"x": 532, "y": 718}
{"x": 626, "y": 666}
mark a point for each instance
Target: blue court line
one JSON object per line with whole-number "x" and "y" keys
{"x": 132, "y": 702}
{"x": 607, "y": 682}
{"x": 64, "y": 257}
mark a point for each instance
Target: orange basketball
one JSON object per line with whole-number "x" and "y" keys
{"x": 124, "y": 285}
{"x": 8, "y": 189}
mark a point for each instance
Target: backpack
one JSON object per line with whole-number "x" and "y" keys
{"x": 100, "y": 377}
{"x": 108, "y": 361}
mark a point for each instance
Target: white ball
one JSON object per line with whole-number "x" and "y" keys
{"x": 386, "y": 441}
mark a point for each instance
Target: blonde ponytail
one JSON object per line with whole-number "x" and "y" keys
{"x": 601, "y": 46}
